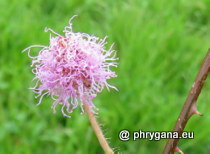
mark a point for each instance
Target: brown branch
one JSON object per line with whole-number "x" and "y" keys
{"x": 189, "y": 107}
{"x": 104, "y": 144}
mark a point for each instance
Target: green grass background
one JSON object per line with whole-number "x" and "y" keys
{"x": 161, "y": 45}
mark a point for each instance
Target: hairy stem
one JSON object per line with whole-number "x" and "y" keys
{"x": 189, "y": 107}
{"x": 102, "y": 140}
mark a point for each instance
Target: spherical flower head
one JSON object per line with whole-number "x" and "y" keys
{"x": 72, "y": 69}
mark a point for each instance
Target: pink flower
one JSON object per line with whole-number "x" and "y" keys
{"x": 72, "y": 69}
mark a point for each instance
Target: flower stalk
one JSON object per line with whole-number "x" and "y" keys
{"x": 189, "y": 107}
{"x": 102, "y": 140}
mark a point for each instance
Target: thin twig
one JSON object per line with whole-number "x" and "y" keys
{"x": 102, "y": 140}
{"x": 189, "y": 107}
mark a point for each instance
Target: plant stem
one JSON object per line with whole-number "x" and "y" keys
{"x": 189, "y": 107}
{"x": 102, "y": 140}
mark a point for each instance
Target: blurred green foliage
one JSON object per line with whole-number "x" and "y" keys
{"x": 161, "y": 45}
